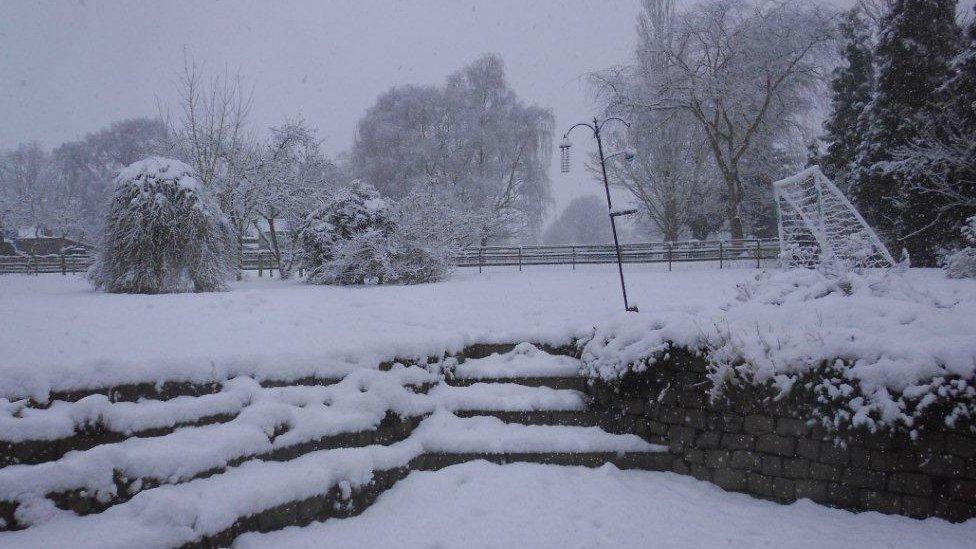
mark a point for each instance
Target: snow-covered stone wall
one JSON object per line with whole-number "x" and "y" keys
{"x": 758, "y": 440}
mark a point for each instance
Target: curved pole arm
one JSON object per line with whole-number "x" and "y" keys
{"x": 604, "y": 123}
{"x": 574, "y": 126}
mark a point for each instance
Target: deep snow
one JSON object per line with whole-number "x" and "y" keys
{"x": 482, "y": 505}
{"x": 59, "y": 334}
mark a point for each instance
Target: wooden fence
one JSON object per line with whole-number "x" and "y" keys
{"x": 724, "y": 253}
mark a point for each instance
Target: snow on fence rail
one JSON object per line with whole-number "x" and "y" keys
{"x": 726, "y": 253}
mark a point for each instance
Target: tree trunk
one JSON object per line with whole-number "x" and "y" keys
{"x": 732, "y": 209}
{"x": 275, "y": 249}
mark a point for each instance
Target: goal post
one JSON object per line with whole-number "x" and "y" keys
{"x": 818, "y": 225}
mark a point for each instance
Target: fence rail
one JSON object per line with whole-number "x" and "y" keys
{"x": 725, "y": 253}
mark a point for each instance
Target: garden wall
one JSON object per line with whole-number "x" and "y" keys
{"x": 749, "y": 442}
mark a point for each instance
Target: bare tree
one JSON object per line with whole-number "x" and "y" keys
{"x": 472, "y": 138}
{"x": 671, "y": 176}
{"x": 25, "y": 187}
{"x": 210, "y": 134}
{"x": 292, "y": 179}
{"x": 739, "y": 71}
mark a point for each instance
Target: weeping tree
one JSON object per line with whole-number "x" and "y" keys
{"x": 165, "y": 233}
{"x": 473, "y": 140}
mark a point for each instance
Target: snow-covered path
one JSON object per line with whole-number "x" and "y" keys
{"x": 482, "y": 505}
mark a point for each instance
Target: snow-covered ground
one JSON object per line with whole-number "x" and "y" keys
{"x": 57, "y": 333}
{"x": 480, "y": 505}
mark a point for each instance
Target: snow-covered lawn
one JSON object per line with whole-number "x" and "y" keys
{"x": 58, "y": 333}
{"x": 479, "y": 504}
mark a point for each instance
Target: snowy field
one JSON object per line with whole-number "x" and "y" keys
{"x": 482, "y": 505}
{"x": 59, "y": 334}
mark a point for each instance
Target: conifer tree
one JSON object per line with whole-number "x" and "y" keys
{"x": 918, "y": 39}
{"x": 938, "y": 170}
{"x": 850, "y": 92}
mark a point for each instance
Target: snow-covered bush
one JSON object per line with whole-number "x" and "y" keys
{"x": 962, "y": 263}
{"x": 164, "y": 233}
{"x": 357, "y": 237}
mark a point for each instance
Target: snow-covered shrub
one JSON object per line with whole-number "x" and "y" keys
{"x": 357, "y": 237}
{"x": 164, "y": 233}
{"x": 962, "y": 263}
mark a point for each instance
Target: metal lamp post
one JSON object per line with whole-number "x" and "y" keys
{"x": 595, "y": 128}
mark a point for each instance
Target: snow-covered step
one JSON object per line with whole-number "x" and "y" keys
{"x": 35, "y": 435}
{"x": 516, "y": 403}
{"x": 131, "y": 392}
{"x": 263, "y": 496}
{"x": 368, "y": 407}
{"x": 524, "y": 361}
{"x": 511, "y": 397}
{"x": 526, "y": 364}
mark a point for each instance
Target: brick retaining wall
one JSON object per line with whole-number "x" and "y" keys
{"x": 769, "y": 448}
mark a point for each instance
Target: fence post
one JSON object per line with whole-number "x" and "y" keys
{"x": 669, "y": 256}
{"x": 758, "y": 255}
{"x": 574, "y": 258}
{"x": 520, "y": 258}
{"x": 481, "y": 257}
{"x": 260, "y": 266}
{"x": 721, "y": 253}
{"x": 64, "y": 266}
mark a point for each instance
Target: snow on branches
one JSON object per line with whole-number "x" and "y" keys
{"x": 962, "y": 263}
{"x": 165, "y": 233}
{"x": 359, "y": 238}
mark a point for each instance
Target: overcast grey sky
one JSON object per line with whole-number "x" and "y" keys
{"x": 72, "y": 66}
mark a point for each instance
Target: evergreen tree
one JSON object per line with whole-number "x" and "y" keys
{"x": 850, "y": 92}
{"x": 939, "y": 168}
{"x": 958, "y": 95}
{"x": 918, "y": 38}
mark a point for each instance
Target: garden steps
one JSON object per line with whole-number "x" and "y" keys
{"x": 267, "y": 495}
{"x": 265, "y": 484}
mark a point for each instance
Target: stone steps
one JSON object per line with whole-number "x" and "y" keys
{"x": 535, "y": 419}
{"x": 334, "y": 504}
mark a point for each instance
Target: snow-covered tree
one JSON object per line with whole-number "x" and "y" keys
{"x": 918, "y": 38}
{"x": 87, "y": 166}
{"x": 584, "y": 221}
{"x": 962, "y": 263}
{"x": 672, "y": 170}
{"x": 293, "y": 176}
{"x": 472, "y": 138}
{"x": 938, "y": 169}
{"x": 743, "y": 72}
{"x": 850, "y": 92}
{"x": 25, "y": 188}
{"x": 358, "y": 237}
{"x": 165, "y": 233}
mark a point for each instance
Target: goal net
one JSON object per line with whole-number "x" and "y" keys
{"x": 818, "y": 225}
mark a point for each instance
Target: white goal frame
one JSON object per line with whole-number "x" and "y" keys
{"x": 818, "y": 225}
